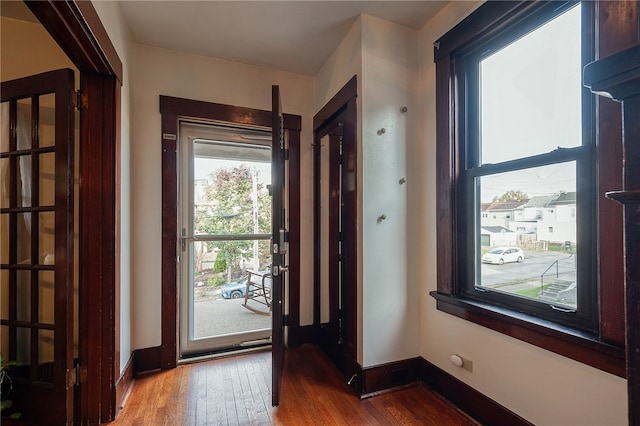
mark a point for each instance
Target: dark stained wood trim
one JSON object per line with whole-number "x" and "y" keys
{"x": 621, "y": 19}
{"x": 390, "y": 376}
{"x": 97, "y": 248}
{"x": 618, "y": 76}
{"x": 174, "y": 109}
{"x": 124, "y": 383}
{"x": 203, "y": 110}
{"x": 483, "y": 23}
{"x": 169, "y": 336}
{"x": 339, "y": 338}
{"x": 350, "y": 249}
{"x": 102, "y": 43}
{"x": 473, "y": 403}
{"x": 147, "y": 359}
{"x": 76, "y": 27}
{"x": 561, "y": 340}
{"x": 336, "y": 103}
{"x": 446, "y": 178}
{"x": 78, "y": 31}
{"x": 294, "y": 231}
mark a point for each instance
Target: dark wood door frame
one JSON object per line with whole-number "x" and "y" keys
{"x": 174, "y": 110}
{"x": 77, "y": 29}
{"x": 339, "y": 112}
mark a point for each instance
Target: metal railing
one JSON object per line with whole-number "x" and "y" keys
{"x": 545, "y": 272}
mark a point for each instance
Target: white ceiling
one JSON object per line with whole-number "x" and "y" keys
{"x": 295, "y": 36}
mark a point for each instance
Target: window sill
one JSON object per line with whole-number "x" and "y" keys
{"x": 568, "y": 342}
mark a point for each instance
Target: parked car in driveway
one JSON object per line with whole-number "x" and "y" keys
{"x": 501, "y": 255}
{"x": 236, "y": 289}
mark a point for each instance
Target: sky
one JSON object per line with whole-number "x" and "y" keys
{"x": 531, "y": 104}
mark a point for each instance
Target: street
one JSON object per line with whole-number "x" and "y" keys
{"x": 530, "y": 269}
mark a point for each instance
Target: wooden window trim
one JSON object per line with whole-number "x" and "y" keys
{"x": 604, "y": 349}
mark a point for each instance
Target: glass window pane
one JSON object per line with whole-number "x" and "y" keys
{"x": 24, "y": 181}
{"x": 4, "y": 128}
{"x": 527, "y": 233}
{"x": 24, "y": 238}
{"x": 230, "y": 188}
{"x": 46, "y": 239}
{"x": 220, "y": 285}
{"x": 23, "y": 346}
{"x": 4, "y": 339}
{"x": 46, "y": 297}
{"x": 4, "y": 238}
{"x": 47, "y": 128}
{"x": 23, "y": 302}
{"x": 4, "y": 183}
{"x": 4, "y": 295}
{"x": 47, "y": 179}
{"x": 24, "y": 124}
{"x": 530, "y": 92}
{"x": 45, "y": 355}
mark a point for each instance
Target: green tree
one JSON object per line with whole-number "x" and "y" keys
{"x": 512, "y": 195}
{"x": 234, "y": 203}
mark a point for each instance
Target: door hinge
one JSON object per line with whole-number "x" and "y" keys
{"x": 285, "y": 320}
{"x": 79, "y": 100}
{"x": 76, "y": 375}
{"x": 285, "y": 154}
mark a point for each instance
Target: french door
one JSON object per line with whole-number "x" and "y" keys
{"x": 226, "y": 228}
{"x": 37, "y": 252}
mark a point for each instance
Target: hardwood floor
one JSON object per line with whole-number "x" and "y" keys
{"x": 237, "y": 391}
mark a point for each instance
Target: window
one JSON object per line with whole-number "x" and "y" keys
{"x": 524, "y": 138}
{"x": 516, "y": 126}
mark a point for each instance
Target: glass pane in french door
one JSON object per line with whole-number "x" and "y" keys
{"x": 226, "y": 238}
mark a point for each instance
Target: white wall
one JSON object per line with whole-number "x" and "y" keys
{"x": 165, "y": 72}
{"x": 111, "y": 17}
{"x": 342, "y": 65}
{"x": 389, "y": 80}
{"x": 384, "y": 57}
{"x": 542, "y": 387}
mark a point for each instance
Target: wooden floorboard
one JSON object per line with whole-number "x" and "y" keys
{"x": 237, "y": 391}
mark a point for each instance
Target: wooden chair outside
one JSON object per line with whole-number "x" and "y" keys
{"x": 257, "y": 297}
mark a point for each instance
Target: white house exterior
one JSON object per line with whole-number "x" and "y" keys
{"x": 549, "y": 218}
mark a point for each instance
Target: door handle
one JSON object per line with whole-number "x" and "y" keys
{"x": 277, "y": 269}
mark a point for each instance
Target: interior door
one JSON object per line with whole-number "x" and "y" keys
{"x": 279, "y": 242}
{"x": 335, "y": 231}
{"x": 36, "y": 252}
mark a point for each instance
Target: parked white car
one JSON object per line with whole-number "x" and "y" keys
{"x": 501, "y": 255}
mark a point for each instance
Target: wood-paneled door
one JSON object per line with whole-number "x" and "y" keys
{"x": 279, "y": 241}
{"x": 36, "y": 256}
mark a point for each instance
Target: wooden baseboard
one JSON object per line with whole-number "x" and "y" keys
{"x": 147, "y": 359}
{"x": 473, "y": 403}
{"x": 385, "y": 377}
{"x": 123, "y": 385}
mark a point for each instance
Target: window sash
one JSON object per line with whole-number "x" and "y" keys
{"x": 466, "y": 66}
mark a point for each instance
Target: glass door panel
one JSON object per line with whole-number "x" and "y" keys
{"x": 226, "y": 226}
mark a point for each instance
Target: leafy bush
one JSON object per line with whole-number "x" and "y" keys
{"x": 220, "y": 265}
{"x": 6, "y": 384}
{"x": 215, "y": 281}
